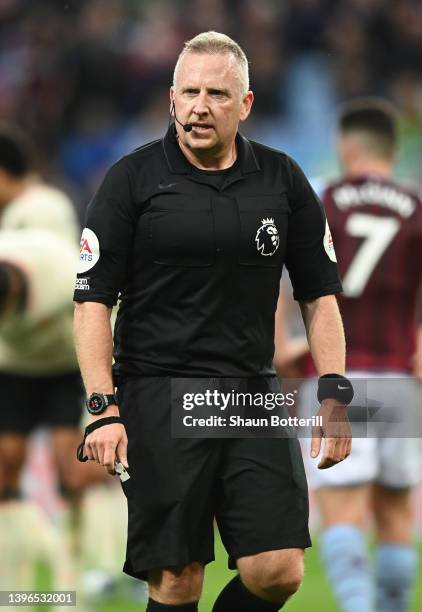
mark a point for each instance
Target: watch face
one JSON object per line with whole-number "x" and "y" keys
{"x": 96, "y": 404}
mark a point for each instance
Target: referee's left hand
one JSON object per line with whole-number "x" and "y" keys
{"x": 337, "y": 432}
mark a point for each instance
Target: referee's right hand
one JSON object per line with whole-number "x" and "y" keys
{"x": 107, "y": 444}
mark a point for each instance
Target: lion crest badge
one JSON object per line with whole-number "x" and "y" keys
{"x": 267, "y": 238}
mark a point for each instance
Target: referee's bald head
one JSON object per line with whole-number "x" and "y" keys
{"x": 214, "y": 43}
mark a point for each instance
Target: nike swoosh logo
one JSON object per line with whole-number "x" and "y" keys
{"x": 342, "y": 388}
{"x": 164, "y": 186}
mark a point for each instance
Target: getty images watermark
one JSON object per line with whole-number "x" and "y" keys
{"x": 221, "y": 400}
{"x": 224, "y": 401}
{"x": 235, "y": 408}
{"x": 383, "y": 406}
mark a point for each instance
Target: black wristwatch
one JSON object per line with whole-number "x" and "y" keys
{"x": 97, "y": 402}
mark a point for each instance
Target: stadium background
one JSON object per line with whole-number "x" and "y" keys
{"x": 89, "y": 81}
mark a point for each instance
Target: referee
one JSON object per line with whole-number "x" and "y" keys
{"x": 191, "y": 233}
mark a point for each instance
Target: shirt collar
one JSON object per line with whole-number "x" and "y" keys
{"x": 178, "y": 164}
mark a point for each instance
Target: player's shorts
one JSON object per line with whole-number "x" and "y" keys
{"x": 255, "y": 488}
{"x": 384, "y": 459}
{"x": 29, "y": 402}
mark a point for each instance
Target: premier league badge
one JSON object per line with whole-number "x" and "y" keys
{"x": 267, "y": 238}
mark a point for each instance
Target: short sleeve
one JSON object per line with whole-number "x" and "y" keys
{"x": 310, "y": 256}
{"x": 107, "y": 239}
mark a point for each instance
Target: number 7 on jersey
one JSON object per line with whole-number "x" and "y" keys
{"x": 378, "y": 233}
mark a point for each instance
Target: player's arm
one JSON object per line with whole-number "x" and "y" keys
{"x": 324, "y": 329}
{"x": 13, "y": 290}
{"x": 110, "y": 222}
{"x": 417, "y": 357}
{"x": 28, "y": 271}
{"x": 289, "y": 352}
{"x": 416, "y": 361}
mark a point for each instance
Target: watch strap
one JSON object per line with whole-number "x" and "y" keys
{"x": 110, "y": 399}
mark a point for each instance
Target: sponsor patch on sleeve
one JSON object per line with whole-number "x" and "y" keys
{"x": 89, "y": 252}
{"x": 329, "y": 244}
{"x": 82, "y": 284}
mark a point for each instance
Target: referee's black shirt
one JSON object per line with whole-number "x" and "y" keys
{"x": 196, "y": 258}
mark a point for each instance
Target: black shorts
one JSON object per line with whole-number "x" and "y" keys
{"x": 29, "y": 402}
{"x": 255, "y": 488}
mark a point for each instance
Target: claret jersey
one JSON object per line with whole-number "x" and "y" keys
{"x": 196, "y": 262}
{"x": 377, "y": 228}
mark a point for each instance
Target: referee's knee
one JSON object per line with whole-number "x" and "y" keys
{"x": 274, "y": 575}
{"x": 176, "y": 585}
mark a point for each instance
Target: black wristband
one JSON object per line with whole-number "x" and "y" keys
{"x": 92, "y": 427}
{"x": 335, "y": 386}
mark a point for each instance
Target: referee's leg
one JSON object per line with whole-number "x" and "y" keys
{"x": 273, "y": 576}
{"x": 264, "y": 583}
{"x": 175, "y": 586}
{"x": 263, "y": 519}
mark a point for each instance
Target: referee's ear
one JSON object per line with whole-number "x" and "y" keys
{"x": 247, "y": 102}
{"x": 171, "y": 96}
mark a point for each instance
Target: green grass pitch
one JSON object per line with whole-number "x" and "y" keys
{"x": 314, "y": 595}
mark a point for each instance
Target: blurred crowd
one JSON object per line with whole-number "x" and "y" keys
{"x": 89, "y": 80}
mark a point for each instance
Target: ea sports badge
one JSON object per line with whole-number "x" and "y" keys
{"x": 329, "y": 244}
{"x": 89, "y": 252}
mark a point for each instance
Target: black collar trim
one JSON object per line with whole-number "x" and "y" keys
{"x": 178, "y": 164}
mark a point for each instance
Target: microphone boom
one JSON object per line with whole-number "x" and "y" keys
{"x": 186, "y": 126}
